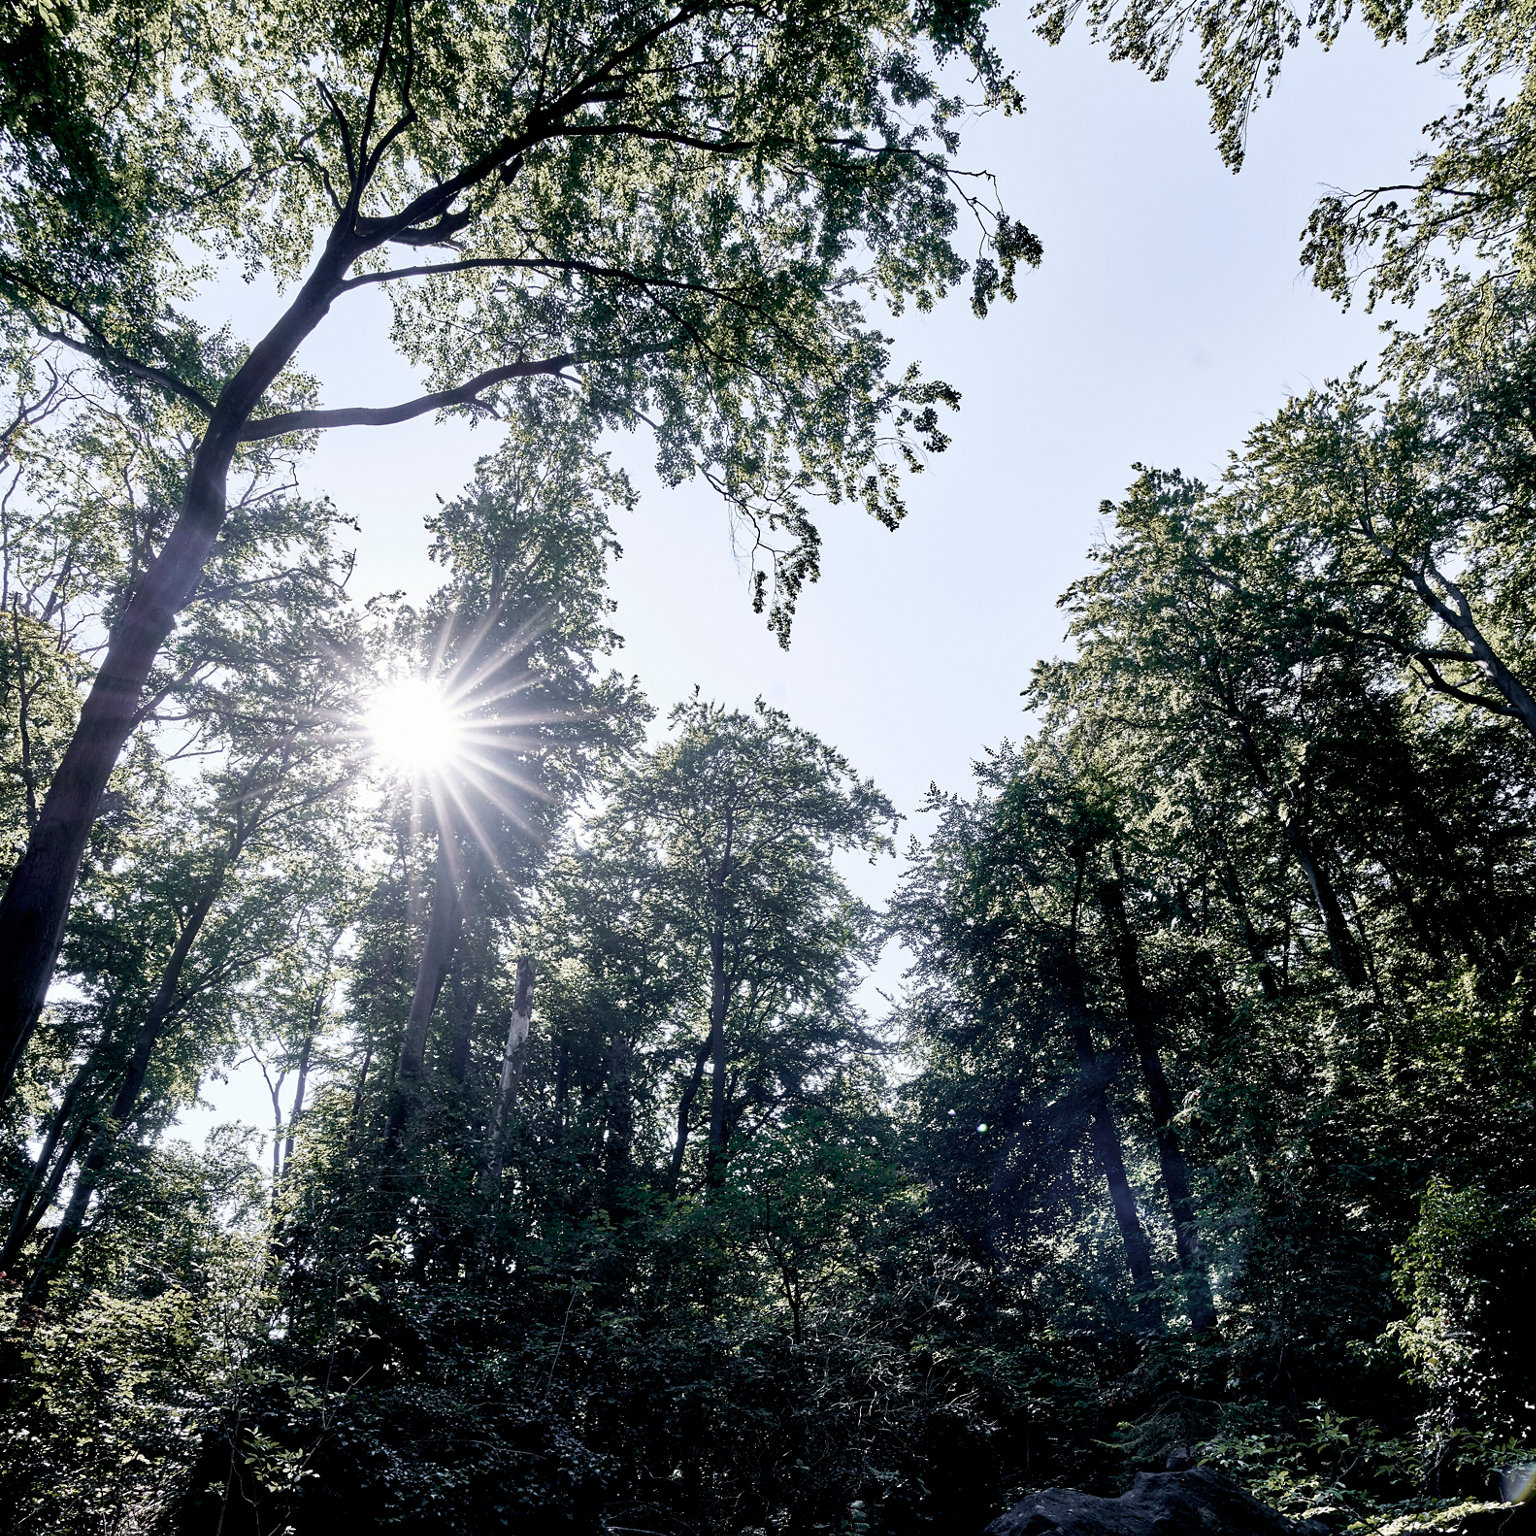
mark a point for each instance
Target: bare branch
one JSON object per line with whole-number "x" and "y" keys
{"x": 112, "y": 357}
{"x": 334, "y": 107}
{"x": 1479, "y": 701}
{"x": 467, "y": 393}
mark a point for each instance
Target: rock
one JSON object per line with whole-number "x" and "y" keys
{"x": 1193, "y": 1502}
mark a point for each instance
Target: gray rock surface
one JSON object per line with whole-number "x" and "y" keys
{"x": 1192, "y": 1502}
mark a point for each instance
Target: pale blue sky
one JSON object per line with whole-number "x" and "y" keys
{"x": 1169, "y": 316}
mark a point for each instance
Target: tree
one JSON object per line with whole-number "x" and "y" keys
{"x": 211, "y": 890}
{"x": 744, "y": 814}
{"x": 519, "y": 627}
{"x": 1413, "y": 504}
{"x": 669, "y": 208}
{"x": 995, "y": 910}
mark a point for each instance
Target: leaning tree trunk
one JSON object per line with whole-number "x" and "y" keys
{"x": 1170, "y": 1154}
{"x": 1257, "y": 956}
{"x": 684, "y": 1111}
{"x": 1105, "y": 1136}
{"x": 161, "y": 1008}
{"x": 1341, "y": 942}
{"x": 41, "y": 1185}
{"x": 36, "y": 901}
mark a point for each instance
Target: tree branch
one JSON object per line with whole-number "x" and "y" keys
{"x": 466, "y": 393}
{"x": 542, "y": 264}
{"x": 1479, "y": 701}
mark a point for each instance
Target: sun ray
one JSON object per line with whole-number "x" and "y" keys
{"x": 413, "y": 727}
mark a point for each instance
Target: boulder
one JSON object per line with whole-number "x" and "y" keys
{"x": 1195, "y": 1501}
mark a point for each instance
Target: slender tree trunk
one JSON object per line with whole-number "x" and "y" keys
{"x": 31, "y": 1208}
{"x": 461, "y": 1047}
{"x": 620, "y": 1129}
{"x": 297, "y": 1108}
{"x": 562, "y": 1087}
{"x": 1170, "y": 1154}
{"x": 470, "y": 970}
{"x": 1256, "y": 955}
{"x": 36, "y": 901}
{"x": 1341, "y": 943}
{"x": 1457, "y": 615}
{"x": 1105, "y": 1134}
{"x": 437, "y": 947}
{"x": 684, "y": 1109}
{"x": 719, "y": 997}
{"x": 41, "y": 1185}
{"x": 161, "y": 1007}
{"x": 715, "y": 1164}
{"x": 514, "y": 1059}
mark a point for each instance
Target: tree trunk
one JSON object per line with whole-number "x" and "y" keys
{"x": 1341, "y": 942}
{"x": 715, "y": 1163}
{"x": 620, "y": 1129}
{"x": 35, "y": 1202}
{"x": 1456, "y": 613}
{"x": 36, "y": 901}
{"x": 1260, "y": 961}
{"x": 1105, "y": 1134}
{"x": 514, "y": 1058}
{"x": 462, "y": 1044}
{"x": 437, "y": 949}
{"x": 1170, "y": 1155}
{"x": 42, "y": 1183}
{"x": 156, "y": 1017}
{"x": 298, "y": 1095}
{"x": 684, "y": 1108}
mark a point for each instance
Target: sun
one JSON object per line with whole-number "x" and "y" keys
{"x": 414, "y": 728}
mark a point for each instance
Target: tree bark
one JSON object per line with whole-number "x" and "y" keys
{"x": 41, "y": 1185}
{"x": 715, "y": 1163}
{"x": 297, "y": 1108}
{"x": 34, "y": 1202}
{"x": 437, "y": 948}
{"x": 1170, "y": 1154}
{"x": 684, "y": 1108}
{"x": 719, "y": 998}
{"x": 1105, "y": 1134}
{"x": 514, "y": 1058}
{"x": 620, "y": 1129}
{"x": 1260, "y": 961}
{"x": 1341, "y": 942}
{"x": 462, "y": 1044}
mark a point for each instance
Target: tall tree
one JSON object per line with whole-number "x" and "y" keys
{"x": 743, "y": 814}
{"x": 512, "y": 641}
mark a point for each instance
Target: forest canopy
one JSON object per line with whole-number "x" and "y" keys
{"x": 602, "y": 1191}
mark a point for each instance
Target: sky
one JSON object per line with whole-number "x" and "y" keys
{"x": 1170, "y": 316}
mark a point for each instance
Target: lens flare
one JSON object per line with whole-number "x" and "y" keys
{"x": 413, "y": 728}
